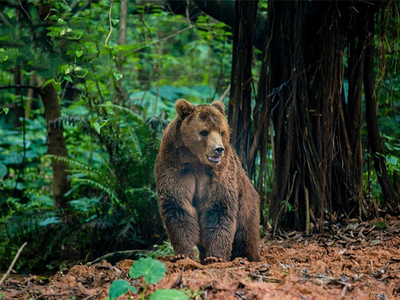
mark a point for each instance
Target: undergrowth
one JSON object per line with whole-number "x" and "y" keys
{"x": 112, "y": 201}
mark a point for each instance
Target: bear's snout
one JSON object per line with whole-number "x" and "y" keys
{"x": 219, "y": 150}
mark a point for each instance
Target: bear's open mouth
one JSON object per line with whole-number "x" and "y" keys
{"x": 214, "y": 159}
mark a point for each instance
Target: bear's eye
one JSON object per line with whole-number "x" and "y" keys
{"x": 222, "y": 134}
{"x": 204, "y": 133}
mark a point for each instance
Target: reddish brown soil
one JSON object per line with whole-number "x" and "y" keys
{"x": 294, "y": 267}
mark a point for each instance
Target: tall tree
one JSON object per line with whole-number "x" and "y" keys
{"x": 56, "y": 146}
{"x": 374, "y": 138}
{"x": 312, "y": 50}
{"x": 241, "y": 81}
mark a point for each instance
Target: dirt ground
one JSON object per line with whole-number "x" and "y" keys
{"x": 353, "y": 261}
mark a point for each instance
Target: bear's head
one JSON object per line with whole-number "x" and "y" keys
{"x": 204, "y": 130}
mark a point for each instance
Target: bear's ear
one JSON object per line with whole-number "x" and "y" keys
{"x": 220, "y": 106}
{"x": 183, "y": 107}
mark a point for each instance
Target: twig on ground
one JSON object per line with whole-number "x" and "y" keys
{"x": 13, "y": 263}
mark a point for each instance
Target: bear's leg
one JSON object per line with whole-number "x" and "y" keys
{"x": 246, "y": 241}
{"x": 218, "y": 225}
{"x": 246, "y": 245}
{"x": 180, "y": 220}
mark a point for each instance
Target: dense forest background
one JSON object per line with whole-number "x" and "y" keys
{"x": 87, "y": 87}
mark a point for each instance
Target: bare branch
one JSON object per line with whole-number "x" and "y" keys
{"x": 109, "y": 20}
{"x": 13, "y": 263}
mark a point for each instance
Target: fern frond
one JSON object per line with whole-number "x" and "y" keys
{"x": 107, "y": 176}
{"x": 72, "y": 121}
{"x": 135, "y": 117}
{"x": 24, "y": 224}
{"x": 106, "y": 190}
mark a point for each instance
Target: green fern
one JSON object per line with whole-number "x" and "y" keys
{"x": 102, "y": 188}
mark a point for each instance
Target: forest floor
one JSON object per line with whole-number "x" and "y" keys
{"x": 354, "y": 261}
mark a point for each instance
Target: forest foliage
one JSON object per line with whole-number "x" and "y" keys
{"x": 113, "y": 72}
{"x": 116, "y": 98}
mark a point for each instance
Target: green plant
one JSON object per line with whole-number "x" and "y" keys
{"x": 115, "y": 101}
{"x": 162, "y": 250}
{"x": 194, "y": 294}
{"x": 152, "y": 271}
{"x": 381, "y": 224}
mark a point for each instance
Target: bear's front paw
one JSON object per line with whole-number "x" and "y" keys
{"x": 212, "y": 260}
{"x": 179, "y": 257}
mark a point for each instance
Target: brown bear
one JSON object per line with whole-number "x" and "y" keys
{"x": 205, "y": 197}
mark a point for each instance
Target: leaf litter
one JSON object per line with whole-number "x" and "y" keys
{"x": 356, "y": 260}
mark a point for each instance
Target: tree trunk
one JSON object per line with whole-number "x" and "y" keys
{"x": 352, "y": 187}
{"x": 287, "y": 105}
{"x": 317, "y": 145}
{"x": 390, "y": 194}
{"x": 121, "y": 95}
{"x": 239, "y": 116}
{"x": 56, "y": 146}
{"x": 122, "y": 30}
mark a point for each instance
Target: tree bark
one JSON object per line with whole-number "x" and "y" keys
{"x": 122, "y": 30}
{"x": 56, "y": 146}
{"x": 390, "y": 194}
{"x": 239, "y": 115}
{"x": 353, "y": 186}
{"x": 313, "y": 153}
{"x": 317, "y": 146}
{"x": 121, "y": 94}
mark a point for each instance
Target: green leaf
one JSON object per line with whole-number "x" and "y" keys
{"x": 168, "y": 295}
{"x": 3, "y": 56}
{"x": 152, "y": 270}
{"x": 50, "y": 221}
{"x": 120, "y": 287}
{"x": 78, "y": 53}
{"x": 118, "y": 76}
{"x": 48, "y": 82}
{"x": 57, "y": 86}
{"x": 68, "y": 78}
{"x": 3, "y": 170}
{"x": 114, "y": 22}
{"x": 97, "y": 127}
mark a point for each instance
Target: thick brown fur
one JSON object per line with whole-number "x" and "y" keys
{"x": 205, "y": 197}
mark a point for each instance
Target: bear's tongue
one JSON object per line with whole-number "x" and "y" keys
{"x": 216, "y": 159}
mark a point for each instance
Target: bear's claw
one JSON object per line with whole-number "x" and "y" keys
{"x": 179, "y": 257}
{"x": 212, "y": 260}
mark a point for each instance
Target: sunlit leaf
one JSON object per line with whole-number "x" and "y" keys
{"x": 97, "y": 127}
{"x": 57, "y": 86}
{"x": 50, "y": 221}
{"x": 78, "y": 53}
{"x": 152, "y": 270}
{"x": 68, "y": 78}
{"x": 48, "y": 82}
